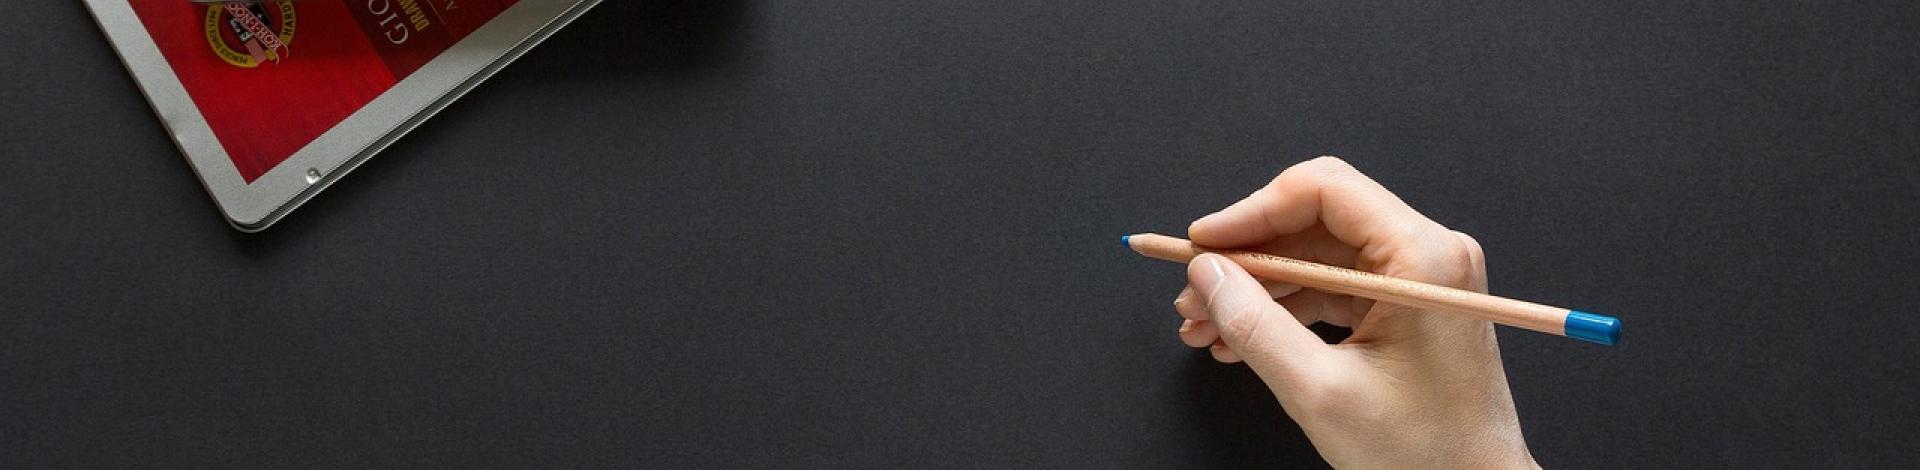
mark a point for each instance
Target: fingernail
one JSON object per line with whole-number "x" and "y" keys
{"x": 1213, "y": 275}
{"x": 1224, "y": 354}
{"x": 1185, "y": 295}
{"x": 1207, "y": 277}
{"x": 1186, "y": 326}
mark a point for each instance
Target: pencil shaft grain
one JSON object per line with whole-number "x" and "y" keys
{"x": 1510, "y": 312}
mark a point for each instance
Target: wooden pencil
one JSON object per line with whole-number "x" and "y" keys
{"x": 1516, "y": 313}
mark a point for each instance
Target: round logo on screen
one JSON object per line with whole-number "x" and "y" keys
{"x": 249, "y": 34}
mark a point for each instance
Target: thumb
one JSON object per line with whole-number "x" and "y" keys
{"x": 1260, "y": 331}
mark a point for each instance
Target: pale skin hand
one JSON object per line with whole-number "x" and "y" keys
{"x": 1408, "y": 389}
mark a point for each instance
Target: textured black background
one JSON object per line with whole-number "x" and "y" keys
{"x": 771, "y": 233}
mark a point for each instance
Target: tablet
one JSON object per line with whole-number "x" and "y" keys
{"x": 272, "y": 101}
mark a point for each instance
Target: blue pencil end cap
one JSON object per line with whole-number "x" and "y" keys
{"x": 1127, "y": 240}
{"x": 1593, "y": 328}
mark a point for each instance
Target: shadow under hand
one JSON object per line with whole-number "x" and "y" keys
{"x": 1238, "y": 421}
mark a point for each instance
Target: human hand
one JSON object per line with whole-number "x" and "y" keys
{"x": 1408, "y": 388}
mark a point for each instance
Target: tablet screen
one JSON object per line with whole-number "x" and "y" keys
{"x": 270, "y": 77}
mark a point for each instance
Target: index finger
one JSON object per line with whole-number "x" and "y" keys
{"x": 1326, "y": 190}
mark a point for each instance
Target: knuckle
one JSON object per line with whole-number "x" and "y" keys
{"x": 1242, "y": 320}
{"x": 1444, "y": 257}
{"x": 1459, "y": 254}
{"x": 1457, "y": 261}
{"x": 1331, "y": 162}
{"x": 1477, "y": 264}
{"x": 1322, "y": 168}
{"x": 1332, "y": 168}
{"x": 1327, "y": 397}
{"x": 1472, "y": 245}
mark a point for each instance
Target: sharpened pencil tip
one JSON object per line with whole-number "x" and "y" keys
{"x": 1127, "y": 240}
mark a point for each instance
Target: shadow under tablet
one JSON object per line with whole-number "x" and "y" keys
{"x": 622, "y": 39}
{"x": 638, "y": 38}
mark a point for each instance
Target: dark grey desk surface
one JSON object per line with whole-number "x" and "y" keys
{"x": 774, "y": 233}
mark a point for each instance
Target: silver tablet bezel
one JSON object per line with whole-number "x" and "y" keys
{"x": 254, "y": 207}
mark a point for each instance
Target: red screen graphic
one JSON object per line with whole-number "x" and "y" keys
{"x": 271, "y": 77}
